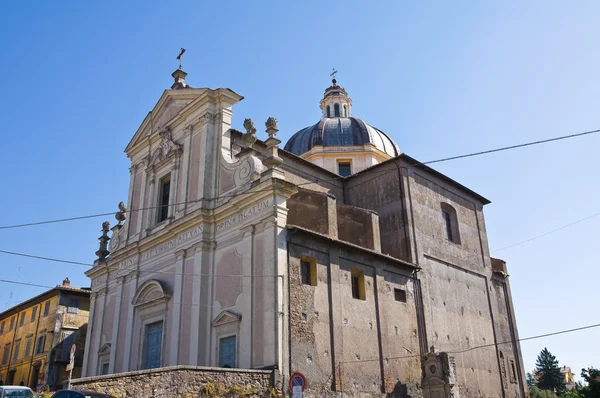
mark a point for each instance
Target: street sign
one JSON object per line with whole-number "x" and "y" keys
{"x": 297, "y": 379}
{"x": 71, "y": 364}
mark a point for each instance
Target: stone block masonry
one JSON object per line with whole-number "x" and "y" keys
{"x": 182, "y": 381}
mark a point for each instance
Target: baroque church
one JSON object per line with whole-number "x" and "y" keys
{"x": 335, "y": 255}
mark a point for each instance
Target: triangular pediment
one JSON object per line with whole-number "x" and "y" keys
{"x": 170, "y": 104}
{"x": 105, "y": 349}
{"x": 174, "y": 104}
{"x": 226, "y": 317}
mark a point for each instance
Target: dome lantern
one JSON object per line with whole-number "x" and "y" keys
{"x": 335, "y": 102}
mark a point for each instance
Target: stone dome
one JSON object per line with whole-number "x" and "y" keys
{"x": 340, "y": 132}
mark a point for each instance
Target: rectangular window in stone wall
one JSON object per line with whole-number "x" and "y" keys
{"x": 41, "y": 342}
{"x": 104, "y": 368}
{"x": 400, "y": 295}
{"x": 33, "y": 313}
{"x": 5, "y": 354}
{"x": 27, "y": 347}
{"x": 227, "y": 352}
{"x": 308, "y": 271}
{"x": 22, "y": 321}
{"x": 47, "y": 308}
{"x": 16, "y": 350}
{"x": 12, "y": 324}
{"x": 358, "y": 284}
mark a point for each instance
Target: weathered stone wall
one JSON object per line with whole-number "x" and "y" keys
{"x": 315, "y": 211}
{"x": 181, "y": 381}
{"x": 358, "y": 226}
{"x": 345, "y": 345}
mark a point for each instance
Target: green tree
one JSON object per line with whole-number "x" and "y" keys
{"x": 535, "y": 392}
{"x": 572, "y": 394}
{"x": 530, "y": 380}
{"x": 548, "y": 371}
{"x": 592, "y": 377}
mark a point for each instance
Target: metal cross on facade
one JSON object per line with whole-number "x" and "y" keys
{"x": 180, "y": 56}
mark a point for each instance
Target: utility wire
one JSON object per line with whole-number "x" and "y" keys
{"x": 135, "y": 269}
{"x": 485, "y": 345}
{"x": 506, "y": 148}
{"x": 548, "y": 233}
{"x": 116, "y": 295}
{"x": 317, "y": 181}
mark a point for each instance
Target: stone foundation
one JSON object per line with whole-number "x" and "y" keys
{"x": 182, "y": 381}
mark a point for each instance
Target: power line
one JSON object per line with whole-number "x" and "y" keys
{"x": 317, "y": 181}
{"x": 548, "y": 233}
{"x": 135, "y": 269}
{"x": 564, "y": 137}
{"x": 116, "y": 295}
{"x": 462, "y": 351}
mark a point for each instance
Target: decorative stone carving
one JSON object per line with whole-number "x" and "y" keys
{"x": 439, "y": 375}
{"x": 167, "y": 144}
{"x": 250, "y": 136}
{"x": 247, "y": 169}
{"x": 121, "y": 214}
{"x": 273, "y": 159}
{"x": 271, "y": 124}
{"x": 103, "y": 252}
{"x": 152, "y": 292}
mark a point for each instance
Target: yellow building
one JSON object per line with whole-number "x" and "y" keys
{"x": 36, "y": 337}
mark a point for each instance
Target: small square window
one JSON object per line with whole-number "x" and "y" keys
{"x": 400, "y": 295}
{"x": 358, "y": 284}
{"x": 308, "y": 272}
{"x": 344, "y": 169}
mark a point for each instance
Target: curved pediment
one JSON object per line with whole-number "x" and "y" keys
{"x": 151, "y": 292}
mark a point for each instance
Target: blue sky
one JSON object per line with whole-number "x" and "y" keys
{"x": 442, "y": 78}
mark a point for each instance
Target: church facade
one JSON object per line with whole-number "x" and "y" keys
{"x": 336, "y": 256}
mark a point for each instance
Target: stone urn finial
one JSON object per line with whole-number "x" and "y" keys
{"x": 103, "y": 252}
{"x": 271, "y": 124}
{"x": 250, "y": 136}
{"x": 121, "y": 214}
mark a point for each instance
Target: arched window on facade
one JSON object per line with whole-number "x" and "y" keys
{"x": 328, "y": 111}
{"x": 450, "y": 221}
{"x": 345, "y": 114}
{"x": 336, "y": 110}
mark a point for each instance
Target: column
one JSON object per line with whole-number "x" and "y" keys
{"x": 174, "y": 329}
{"x": 115, "y": 329}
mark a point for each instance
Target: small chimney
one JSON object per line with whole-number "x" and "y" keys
{"x": 179, "y": 76}
{"x": 66, "y": 282}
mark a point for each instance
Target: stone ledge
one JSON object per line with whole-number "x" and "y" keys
{"x": 169, "y": 369}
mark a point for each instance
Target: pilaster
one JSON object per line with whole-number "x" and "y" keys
{"x": 174, "y": 329}
{"x": 115, "y": 329}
